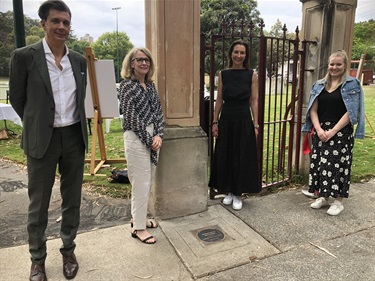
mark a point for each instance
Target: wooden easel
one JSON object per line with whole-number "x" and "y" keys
{"x": 98, "y": 120}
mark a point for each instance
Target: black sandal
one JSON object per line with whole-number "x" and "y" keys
{"x": 152, "y": 225}
{"x": 134, "y": 235}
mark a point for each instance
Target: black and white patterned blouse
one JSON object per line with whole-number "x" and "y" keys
{"x": 141, "y": 108}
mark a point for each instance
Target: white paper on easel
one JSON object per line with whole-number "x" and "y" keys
{"x": 106, "y": 83}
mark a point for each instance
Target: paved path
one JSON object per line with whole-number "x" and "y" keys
{"x": 274, "y": 237}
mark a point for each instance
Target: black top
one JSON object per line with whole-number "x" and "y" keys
{"x": 331, "y": 107}
{"x": 236, "y": 93}
{"x": 236, "y": 84}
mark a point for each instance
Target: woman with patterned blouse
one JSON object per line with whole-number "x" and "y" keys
{"x": 143, "y": 134}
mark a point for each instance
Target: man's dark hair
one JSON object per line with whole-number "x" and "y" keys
{"x": 48, "y": 5}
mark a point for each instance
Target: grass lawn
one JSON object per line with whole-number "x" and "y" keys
{"x": 362, "y": 170}
{"x": 363, "y": 167}
{"x": 10, "y": 150}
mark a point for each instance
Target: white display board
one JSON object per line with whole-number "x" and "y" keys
{"x": 106, "y": 83}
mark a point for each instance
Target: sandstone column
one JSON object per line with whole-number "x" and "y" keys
{"x": 172, "y": 35}
{"x": 331, "y": 24}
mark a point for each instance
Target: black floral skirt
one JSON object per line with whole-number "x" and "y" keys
{"x": 331, "y": 162}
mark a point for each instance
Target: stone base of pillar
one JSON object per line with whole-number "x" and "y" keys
{"x": 180, "y": 183}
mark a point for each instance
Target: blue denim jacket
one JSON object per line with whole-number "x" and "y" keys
{"x": 353, "y": 97}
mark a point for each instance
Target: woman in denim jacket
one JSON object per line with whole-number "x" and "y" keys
{"x": 335, "y": 105}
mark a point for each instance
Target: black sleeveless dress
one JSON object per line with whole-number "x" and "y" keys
{"x": 235, "y": 163}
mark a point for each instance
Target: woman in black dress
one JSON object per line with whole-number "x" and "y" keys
{"x": 235, "y": 165}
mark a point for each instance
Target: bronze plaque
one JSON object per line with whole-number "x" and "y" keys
{"x": 210, "y": 235}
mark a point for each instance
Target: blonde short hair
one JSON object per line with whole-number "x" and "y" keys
{"x": 128, "y": 72}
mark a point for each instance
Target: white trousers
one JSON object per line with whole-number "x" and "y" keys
{"x": 140, "y": 173}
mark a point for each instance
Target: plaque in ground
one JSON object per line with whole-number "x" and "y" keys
{"x": 210, "y": 234}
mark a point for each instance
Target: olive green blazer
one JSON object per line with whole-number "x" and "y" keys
{"x": 31, "y": 96}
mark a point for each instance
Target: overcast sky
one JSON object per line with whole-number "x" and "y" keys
{"x": 96, "y": 17}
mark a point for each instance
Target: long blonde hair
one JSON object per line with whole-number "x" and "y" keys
{"x": 128, "y": 72}
{"x": 328, "y": 78}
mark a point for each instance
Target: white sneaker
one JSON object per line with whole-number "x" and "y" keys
{"x": 336, "y": 208}
{"x": 305, "y": 191}
{"x": 320, "y": 202}
{"x": 237, "y": 203}
{"x": 228, "y": 199}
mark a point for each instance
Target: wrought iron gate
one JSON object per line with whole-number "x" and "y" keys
{"x": 280, "y": 66}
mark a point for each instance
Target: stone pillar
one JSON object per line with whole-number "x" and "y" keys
{"x": 331, "y": 24}
{"x": 172, "y": 35}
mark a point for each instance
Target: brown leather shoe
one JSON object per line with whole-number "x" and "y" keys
{"x": 38, "y": 272}
{"x": 70, "y": 266}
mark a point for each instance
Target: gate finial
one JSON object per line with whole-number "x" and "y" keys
{"x": 261, "y": 25}
{"x": 284, "y": 29}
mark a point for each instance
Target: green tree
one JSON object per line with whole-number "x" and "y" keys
{"x": 105, "y": 47}
{"x": 214, "y": 13}
{"x": 280, "y": 53}
{"x": 78, "y": 45}
{"x": 33, "y": 34}
{"x": 30, "y": 23}
{"x": 7, "y": 41}
{"x": 277, "y": 29}
{"x": 36, "y": 31}
{"x": 364, "y": 40}
{"x": 32, "y": 39}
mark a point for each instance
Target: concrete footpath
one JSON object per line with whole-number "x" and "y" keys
{"x": 274, "y": 237}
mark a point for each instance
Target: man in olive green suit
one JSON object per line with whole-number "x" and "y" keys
{"x": 47, "y": 89}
